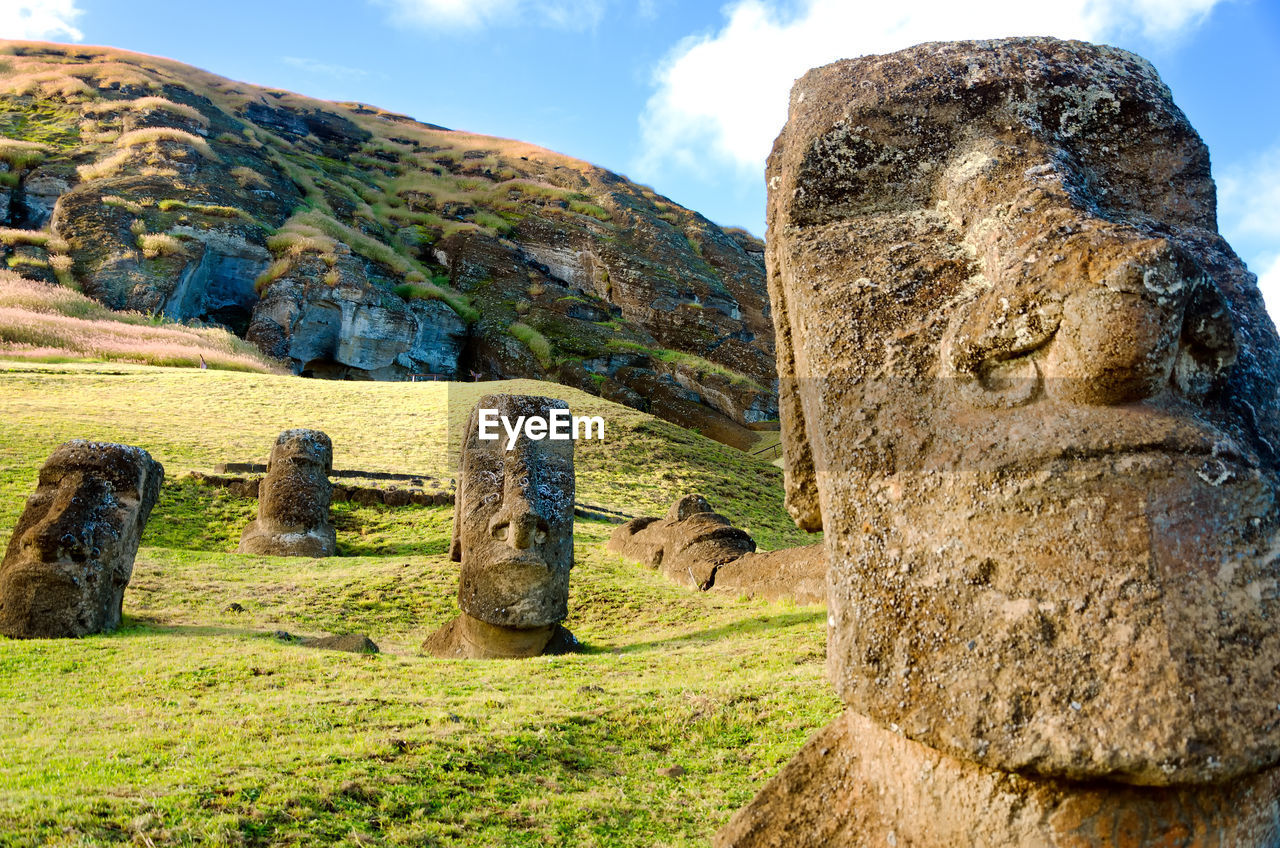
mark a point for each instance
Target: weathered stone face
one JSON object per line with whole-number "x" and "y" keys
{"x": 513, "y": 520}
{"x": 71, "y": 554}
{"x": 1030, "y": 395}
{"x": 293, "y": 499}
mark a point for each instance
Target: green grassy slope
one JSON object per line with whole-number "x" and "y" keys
{"x": 194, "y": 726}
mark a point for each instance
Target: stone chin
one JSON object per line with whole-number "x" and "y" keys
{"x": 509, "y": 589}
{"x": 1103, "y": 617}
{"x": 1069, "y": 591}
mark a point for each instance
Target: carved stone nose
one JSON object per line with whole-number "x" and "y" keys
{"x": 523, "y": 527}
{"x": 1152, "y": 320}
{"x": 519, "y": 523}
{"x": 1111, "y": 347}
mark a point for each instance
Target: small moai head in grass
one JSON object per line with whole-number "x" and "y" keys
{"x": 293, "y": 499}
{"x": 71, "y": 554}
{"x": 513, "y": 520}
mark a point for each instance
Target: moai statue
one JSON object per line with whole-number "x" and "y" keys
{"x": 293, "y": 499}
{"x": 699, "y": 548}
{"x": 71, "y": 554}
{"x": 1030, "y": 396}
{"x": 513, "y": 535}
{"x": 688, "y": 546}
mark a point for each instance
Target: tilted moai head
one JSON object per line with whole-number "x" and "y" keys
{"x": 513, "y": 519}
{"x": 688, "y": 546}
{"x": 1030, "y": 394}
{"x": 71, "y": 554}
{"x": 293, "y": 499}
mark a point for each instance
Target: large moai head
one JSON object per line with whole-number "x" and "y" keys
{"x": 513, "y": 519}
{"x": 1030, "y": 394}
{"x": 294, "y": 498}
{"x": 71, "y": 554}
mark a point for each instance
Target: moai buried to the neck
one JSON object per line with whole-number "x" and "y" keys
{"x": 1030, "y": 396}
{"x": 513, "y": 535}
{"x": 294, "y": 498}
{"x": 72, "y": 551}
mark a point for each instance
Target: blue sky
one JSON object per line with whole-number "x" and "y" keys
{"x": 687, "y": 96}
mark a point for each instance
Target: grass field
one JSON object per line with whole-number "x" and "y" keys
{"x": 194, "y": 725}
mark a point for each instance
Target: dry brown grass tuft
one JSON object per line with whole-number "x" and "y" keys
{"x": 50, "y": 83}
{"x": 156, "y": 134}
{"x": 43, "y": 322}
{"x": 122, "y": 203}
{"x": 147, "y": 104}
{"x": 13, "y": 237}
{"x": 62, "y": 265}
{"x": 155, "y": 245}
{"x": 22, "y": 154}
{"x": 248, "y": 178}
{"x": 104, "y": 168}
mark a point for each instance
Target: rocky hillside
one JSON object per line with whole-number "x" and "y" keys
{"x": 354, "y": 243}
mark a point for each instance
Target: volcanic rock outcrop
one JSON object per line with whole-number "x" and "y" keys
{"x": 698, "y": 547}
{"x": 1030, "y": 396}
{"x": 71, "y": 554}
{"x": 513, "y": 535}
{"x": 293, "y": 499}
{"x": 355, "y": 243}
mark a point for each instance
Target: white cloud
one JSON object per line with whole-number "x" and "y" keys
{"x": 40, "y": 20}
{"x": 473, "y": 14}
{"x": 1249, "y": 218}
{"x": 725, "y": 95}
{"x": 316, "y": 67}
{"x": 1249, "y": 198}
{"x": 1269, "y": 284}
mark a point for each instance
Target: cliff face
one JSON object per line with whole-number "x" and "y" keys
{"x": 359, "y": 244}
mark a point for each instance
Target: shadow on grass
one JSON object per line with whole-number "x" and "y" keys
{"x": 142, "y": 626}
{"x": 725, "y": 631}
{"x": 391, "y": 531}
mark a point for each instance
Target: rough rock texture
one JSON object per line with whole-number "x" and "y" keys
{"x": 856, "y": 783}
{"x": 699, "y": 548}
{"x": 293, "y": 499}
{"x": 687, "y": 546}
{"x": 352, "y": 643}
{"x": 359, "y": 244}
{"x": 353, "y": 329}
{"x": 513, "y": 535}
{"x": 1035, "y": 393}
{"x": 71, "y": 554}
{"x": 795, "y": 574}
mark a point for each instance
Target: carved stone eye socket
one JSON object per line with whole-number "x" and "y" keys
{"x": 540, "y": 536}
{"x": 501, "y": 532}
